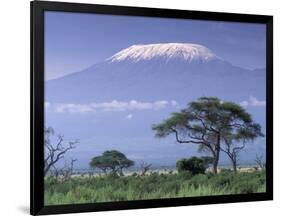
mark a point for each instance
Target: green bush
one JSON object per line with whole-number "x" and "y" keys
{"x": 225, "y": 170}
{"x": 185, "y": 175}
{"x": 222, "y": 180}
{"x": 194, "y": 165}
{"x": 248, "y": 182}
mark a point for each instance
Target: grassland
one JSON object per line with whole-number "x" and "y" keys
{"x": 108, "y": 188}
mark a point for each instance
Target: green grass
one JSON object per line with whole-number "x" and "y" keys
{"x": 154, "y": 186}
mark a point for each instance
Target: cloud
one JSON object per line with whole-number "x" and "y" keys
{"x": 174, "y": 103}
{"x": 253, "y": 102}
{"x": 73, "y": 108}
{"x": 129, "y": 116}
{"x": 114, "y": 105}
{"x": 46, "y": 105}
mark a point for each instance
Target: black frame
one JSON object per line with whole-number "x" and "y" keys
{"x": 37, "y": 106}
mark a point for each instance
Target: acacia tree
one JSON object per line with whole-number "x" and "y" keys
{"x": 101, "y": 163}
{"x": 205, "y": 122}
{"x": 236, "y": 141}
{"x": 54, "y": 148}
{"x": 113, "y": 160}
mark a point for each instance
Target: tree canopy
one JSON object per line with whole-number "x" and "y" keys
{"x": 209, "y": 122}
{"x": 113, "y": 161}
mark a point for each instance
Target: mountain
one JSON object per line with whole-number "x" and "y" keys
{"x": 166, "y": 52}
{"x": 157, "y": 71}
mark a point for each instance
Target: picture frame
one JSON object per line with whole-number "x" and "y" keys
{"x": 38, "y": 9}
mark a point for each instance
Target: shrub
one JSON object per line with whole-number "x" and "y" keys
{"x": 225, "y": 170}
{"x": 185, "y": 175}
{"x": 222, "y": 180}
{"x": 245, "y": 186}
{"x": 248, "y": 182}
{"x": 51, "y": 180}
{"x": 194, "y": 165}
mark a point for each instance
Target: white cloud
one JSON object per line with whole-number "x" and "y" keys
{"x": 136, "y": 157}
{"x": 46, "y": 105}
{"x": 174, "y": 103}
{"x": 114, "y": 105}
{"x": 129, "y": 116}
{"x": 253, "y": 102}
{"x": 73, "y": 108}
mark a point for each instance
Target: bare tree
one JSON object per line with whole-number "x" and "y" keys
{"x": 67, "y": 172}
{"x": 260, "y": 162}
{"x": 55, "y": 172}
{"x": 144, "y": 168}
{"x": 54, "y": 148}
{"x": 64, "y": 173}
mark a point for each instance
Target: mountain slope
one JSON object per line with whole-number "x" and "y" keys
{"x": 157, "y": 71}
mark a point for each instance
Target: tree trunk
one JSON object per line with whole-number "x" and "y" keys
{"x": 215, "y": 161}
{"x": 46, "y": 169}
{"x": 234, "y": 167}
{"x": 104, "y": 170}
{"x": 121, "y": 172}
{"x": 215, "y": 165}
{"x": 217, "y": 155}
{"x": 234, "y": 164}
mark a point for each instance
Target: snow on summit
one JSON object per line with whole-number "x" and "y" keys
{"x": 185, "y": 51}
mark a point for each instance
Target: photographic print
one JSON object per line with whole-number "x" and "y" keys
{"x": 145, "y": 108}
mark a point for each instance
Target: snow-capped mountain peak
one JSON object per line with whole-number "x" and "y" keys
{"x": 168, "y": 51}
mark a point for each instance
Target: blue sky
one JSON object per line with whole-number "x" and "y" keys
{"x": 75, "y": 41}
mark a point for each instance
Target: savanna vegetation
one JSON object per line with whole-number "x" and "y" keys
{"x": 106, "y": 188}
{"x": 216, "y": 127}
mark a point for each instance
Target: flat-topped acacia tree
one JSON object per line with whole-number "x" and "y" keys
{"x": 207, "y": 122}
{"x": 113, "y": 161}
